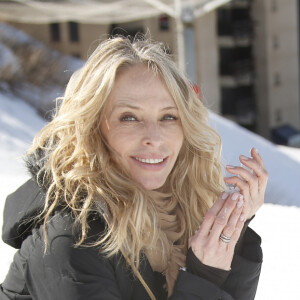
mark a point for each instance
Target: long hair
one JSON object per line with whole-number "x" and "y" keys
{"x": 82, "y": 174}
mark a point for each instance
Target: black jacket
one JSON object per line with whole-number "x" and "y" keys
{"x": 65, "y": 272}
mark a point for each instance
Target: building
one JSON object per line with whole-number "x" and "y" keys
{"x": 246, "y": 53}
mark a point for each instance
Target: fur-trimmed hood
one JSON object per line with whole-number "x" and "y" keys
{"x": 34, "y": 162}
{"x": 27, "y": 202}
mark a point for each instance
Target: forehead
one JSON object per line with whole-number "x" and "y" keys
{"x": 139, "y": 85}
{"x": 136, "y": 77}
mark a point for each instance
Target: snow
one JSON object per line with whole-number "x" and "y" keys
{"x": 278, "y": 221}
{"x": 284, "y": 183}
{"x": 277, "y": 224}
{"x": 19, "y": 122}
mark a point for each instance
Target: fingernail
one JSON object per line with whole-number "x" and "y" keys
{"x": 240, "y": 203}
{"x": 230, "y": 167}
{"x": 242, "y": 217}
{"x": 244, "y": 157}
{"x": 255, "y": 151}
{"x": 234, "y": 196}
{"x": 224, "y": 196}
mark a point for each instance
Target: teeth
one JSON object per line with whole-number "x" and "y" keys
{"x": 149, "y": 160}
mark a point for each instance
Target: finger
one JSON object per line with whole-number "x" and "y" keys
{"x": 219, "y": 203}
{"x": 246, "y": 175}
{"x": 257, "y": 166}
{"x": 234, "y": 218}
{"x": 254, "y": 153}
{"x": 211, "y": 214}
{"x": 223, "y": 216}
{"x": 244, "y": 186}
{"x": 263, "y": 174}
{"x": 237, "y": 232}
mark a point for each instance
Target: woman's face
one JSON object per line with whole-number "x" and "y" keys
{"x": 141, "y": 123}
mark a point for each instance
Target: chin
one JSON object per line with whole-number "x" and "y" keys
{"x": 152, "y": 185}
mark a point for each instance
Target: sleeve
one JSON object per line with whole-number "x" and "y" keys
{"x": 73, "y": 273}
{"x": 214, "y": 275}
{"x": 64, "y": 271}
{"x": 241, "y": 283}
{"x": 239, "y": 243}
{"x": 196, "y": 267}
{"x": 245, "y": 269}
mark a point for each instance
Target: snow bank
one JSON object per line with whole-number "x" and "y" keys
{"x": 284, "y": 171}
{"x": 19, "y": 122}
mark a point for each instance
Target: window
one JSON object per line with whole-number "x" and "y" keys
{"x": 224, "y": 22}
{"x": 275, "y": 42}
{"x": 274, "y": 6}
{"x": 278, "y": 115}
{"x": 77, "y": 55}
{"x": 164, "y": 22}
{"x": 73, "y": 31}
{"x": 55, "y": 32}
{"x": 127, "y": 30}
{"x": 277, "y": 79}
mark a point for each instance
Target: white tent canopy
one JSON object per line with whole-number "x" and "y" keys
{"x": 100, "y": 11}
{"x": 116, "y": 11}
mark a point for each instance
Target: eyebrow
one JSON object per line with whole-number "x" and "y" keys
{"x": 127, "y": 105}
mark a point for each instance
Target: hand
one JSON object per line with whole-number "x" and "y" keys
{"x": 225, "y": 216}
{"x": 252, "y": 184}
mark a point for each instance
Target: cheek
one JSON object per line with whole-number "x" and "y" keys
{"x": 121, "y": 141}
{"x": 175, "y": 138}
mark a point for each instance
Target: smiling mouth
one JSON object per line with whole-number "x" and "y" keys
{"x": 151, "y": 161}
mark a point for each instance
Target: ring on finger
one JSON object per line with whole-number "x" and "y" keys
{"x": 225, "y": 239}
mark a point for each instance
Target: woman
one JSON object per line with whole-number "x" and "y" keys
{"x": 122, "y": 178}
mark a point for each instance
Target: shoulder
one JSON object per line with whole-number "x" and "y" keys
{"x": 64, "y": 270}
{"x": 63, "y": 227}
{"x": 19, "y": 210}
{"x": 62, "y": 256}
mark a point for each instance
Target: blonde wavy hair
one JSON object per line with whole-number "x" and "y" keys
{"x": 81, "y": 173}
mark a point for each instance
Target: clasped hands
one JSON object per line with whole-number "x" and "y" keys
{"x": 214, "y": 242}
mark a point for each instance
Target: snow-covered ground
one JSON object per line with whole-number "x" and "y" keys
{"x": 278, "y": 222}
{"x": 18, "y": 124}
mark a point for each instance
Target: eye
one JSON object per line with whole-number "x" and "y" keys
{"x": 128, "y": 118}
{"x": 169, "y": 118}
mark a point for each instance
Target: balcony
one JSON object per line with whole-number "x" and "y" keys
{"x": 236, "y": 73}
{"x": 241, "y": 3}
{"x": 238, "y": 104}
{"x": 242, "y": 32}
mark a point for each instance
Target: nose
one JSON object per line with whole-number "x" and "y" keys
{"x": 152, "y": 135}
